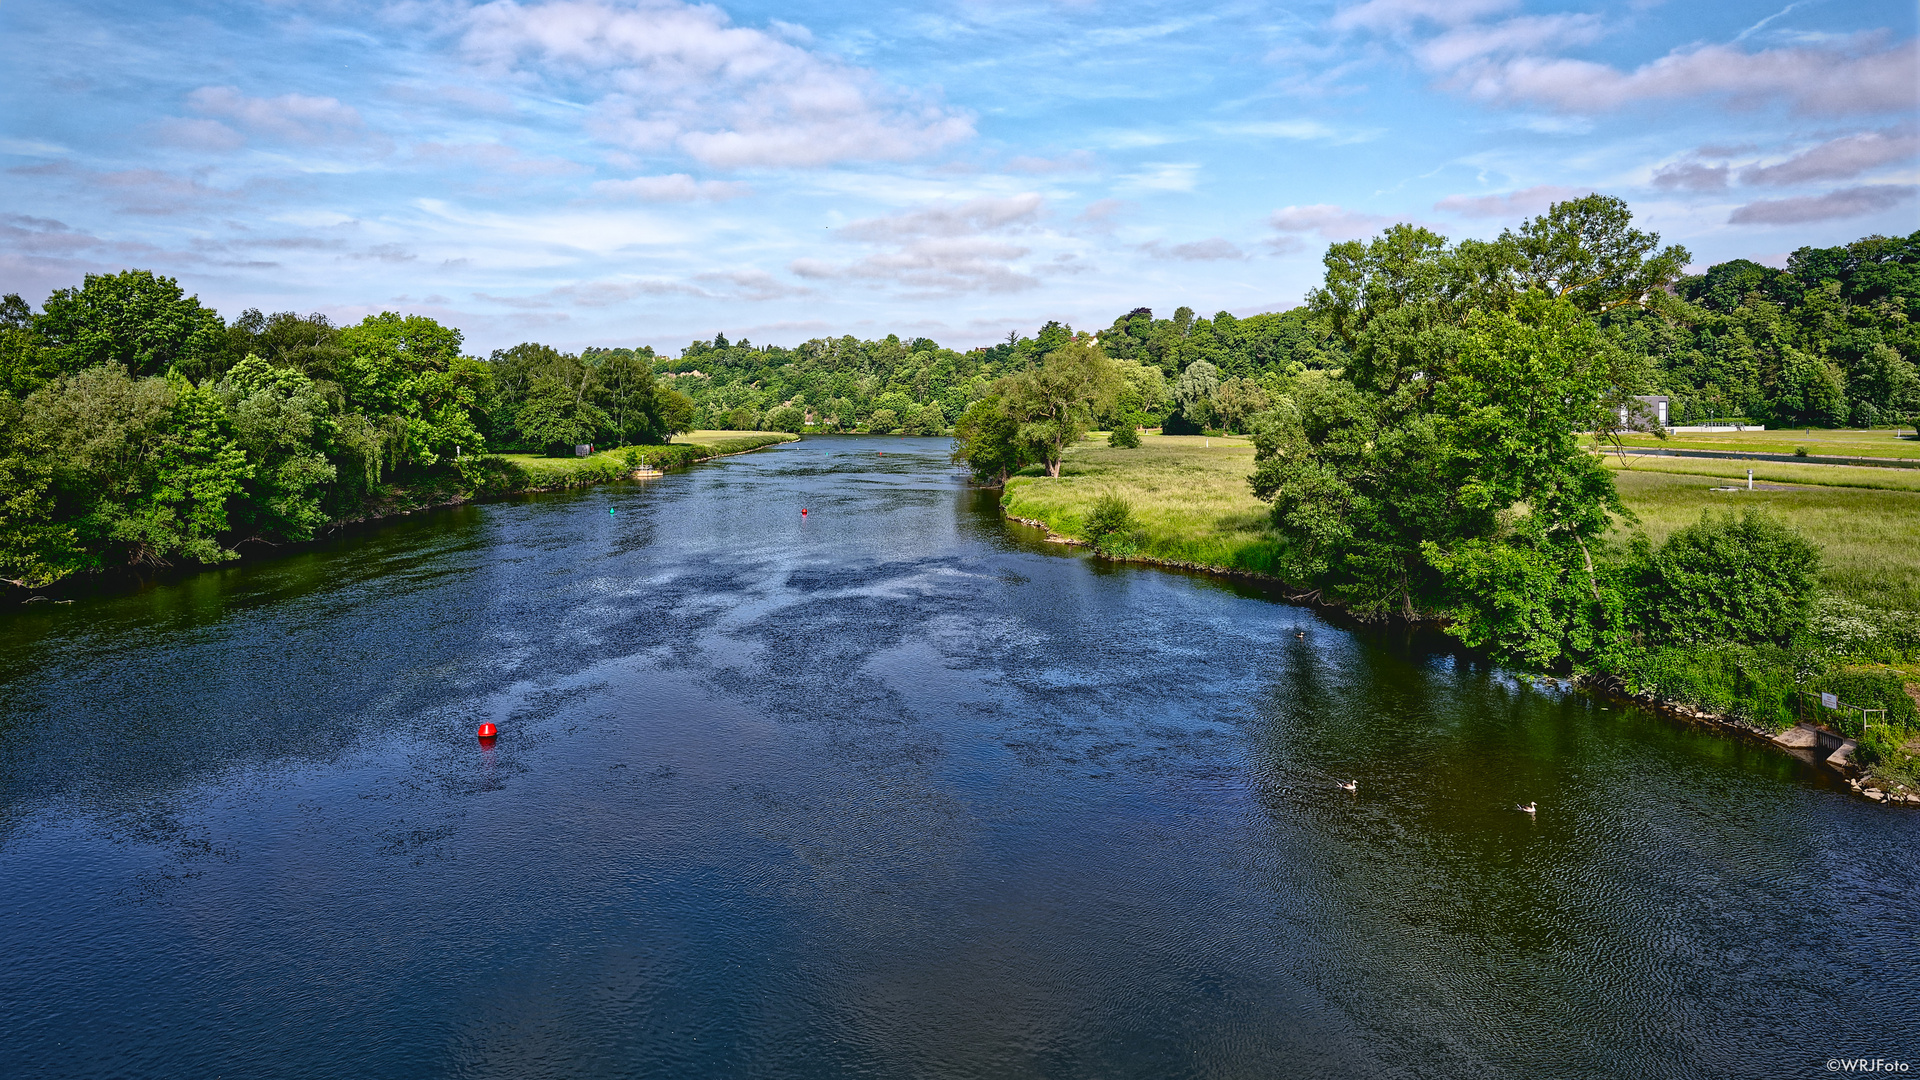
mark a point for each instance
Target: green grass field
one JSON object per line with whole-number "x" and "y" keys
{"x": 557, "y": 470}
{"x": 1838, "y": 442}
{"x": 1191, "y": 498}
{"x": 1869, "y": 536}
{"x": 1189, "y": 494}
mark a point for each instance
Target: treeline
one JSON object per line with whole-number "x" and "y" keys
{"x": 139, "y": 427}
{"x": 1830, "y": 341}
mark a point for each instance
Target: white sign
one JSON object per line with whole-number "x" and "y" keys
{"x": 1831, "y": 701}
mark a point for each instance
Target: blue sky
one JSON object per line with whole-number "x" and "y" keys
{"x": 618, "y": 173}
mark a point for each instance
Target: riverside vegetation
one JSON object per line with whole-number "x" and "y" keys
{"x": 1446, "y": 471}
{"x": 1418, "y": 435}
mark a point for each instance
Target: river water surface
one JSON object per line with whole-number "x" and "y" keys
{"x": 890, "y": 790}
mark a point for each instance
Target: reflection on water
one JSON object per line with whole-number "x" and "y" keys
{"x": 890, "y": 790}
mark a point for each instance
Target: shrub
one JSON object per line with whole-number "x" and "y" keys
{"x": 787, "y": 418}
{"x": 488, "y": 473}
{"x": 1110, "y": 525}
{"x": 1125, "y": 436}
{"x": 1747, "y": 580}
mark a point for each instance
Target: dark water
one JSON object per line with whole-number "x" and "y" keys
{"x": 883, "y": 792}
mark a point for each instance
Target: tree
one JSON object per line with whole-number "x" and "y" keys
{"x": 1237, "y": 402}
{"x": 283, "y": 425}
{"x": 553, "y": 416}
{"x": 1193, "y": 400}
{"x": 1054, "y": 403}
{"x": 146, "y": 324}
{"x": 883, "y": 422}
{"x": 1443, "y": 468}
{"x": 25, "y": 362}
{"x": 787, "y": 418}
{"x": 986, "y": 440}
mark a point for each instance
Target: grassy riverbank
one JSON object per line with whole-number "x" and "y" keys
{"x": 506, "y": 474}
{"x": 1189, "y": 495}
{"x": 1192, "y": 506}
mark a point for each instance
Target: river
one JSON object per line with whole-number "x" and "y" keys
{"x": 887, "y": 790}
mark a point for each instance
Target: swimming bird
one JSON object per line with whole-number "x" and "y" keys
{"x": 1527, "y": 808}
{"x": 1301, "y": 634}
{"x": 1348, "y": 785}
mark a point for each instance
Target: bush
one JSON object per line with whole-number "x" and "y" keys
{"x": 489, "y": 473}
{"x": 1125, "y": 437}
{"x": 1761, "y": 684}
{"x": 1746, "y": 580}
{"x": 883, "y": 422}
{"x": 670, "y": 456}
{"x": 786, "y": 418}
{"x": 1110, "y": 525}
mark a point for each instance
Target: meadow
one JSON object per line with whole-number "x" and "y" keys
{"x": 546, "y": 471}
{"x": 1192, "y": 504}
{"x": 1836, "y": 442}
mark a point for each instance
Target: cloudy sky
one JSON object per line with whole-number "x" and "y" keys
{"x": 624, "y": 173}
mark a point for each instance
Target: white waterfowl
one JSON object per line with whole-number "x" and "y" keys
{"x": 1349, "y": 785}
{"x": 1527, "y": 808}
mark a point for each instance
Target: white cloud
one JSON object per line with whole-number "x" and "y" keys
{"x": 1400, "y": 15}
{"x": 1328, "y": 220}
{"x": 1212, "y": 249}
{"x": 1691, "y": 176}
{"x": 940, "y": 249}
{"x": 1829, "y": 79}
{"x": 1507, "y": 37}
{"x": 290, "y": 117}
{"x": 1510, "y": 204}
{"x": 1845, "y": 203}
{"x": 1839, "y": 159}
{"x": 1162, "y": 176}
{"x": 674, "y": 187}
{"x": 681, "y": 76}
{"x": 962, "y": 219}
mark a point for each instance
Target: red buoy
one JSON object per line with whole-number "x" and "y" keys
{"x": 803, "y": 511}
{"x": 488, "y": 733}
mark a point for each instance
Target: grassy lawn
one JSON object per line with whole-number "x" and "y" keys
{"x": 557, "y": 469}
{"x": 733, "y": 442}
{"x": 1839, "y": 442}
{"x": 1777, "y": 472}
{"x": 1870, "y": 536}
{"x": 1189, "y": 494}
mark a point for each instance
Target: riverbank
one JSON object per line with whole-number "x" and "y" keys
{"x": 1193, "y": 510}
{"x": 489, "y": 476}
{"x": 492, "y": 475}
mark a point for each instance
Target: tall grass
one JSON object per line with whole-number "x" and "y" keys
{"x": 1189, "y": 497}
{"x": 1869, "y": 538}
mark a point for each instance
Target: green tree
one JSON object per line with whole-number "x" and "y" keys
{"x": 787, "y": 418}
{"x": 25, "y": 362}
{"x": 1443, "y": 468}
{"x": 986, "y": 439}
{"x": 1054, "y": 403}
{"x": 556, "y": 417}
{"x": 147, "y": 324}
{"x": 284, "y": 426}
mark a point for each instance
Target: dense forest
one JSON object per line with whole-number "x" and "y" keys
{"x": 137, "y": 426}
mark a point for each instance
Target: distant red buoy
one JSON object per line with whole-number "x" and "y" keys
{"x": 803, "y": 511}
{"x": 488, "y": 733}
